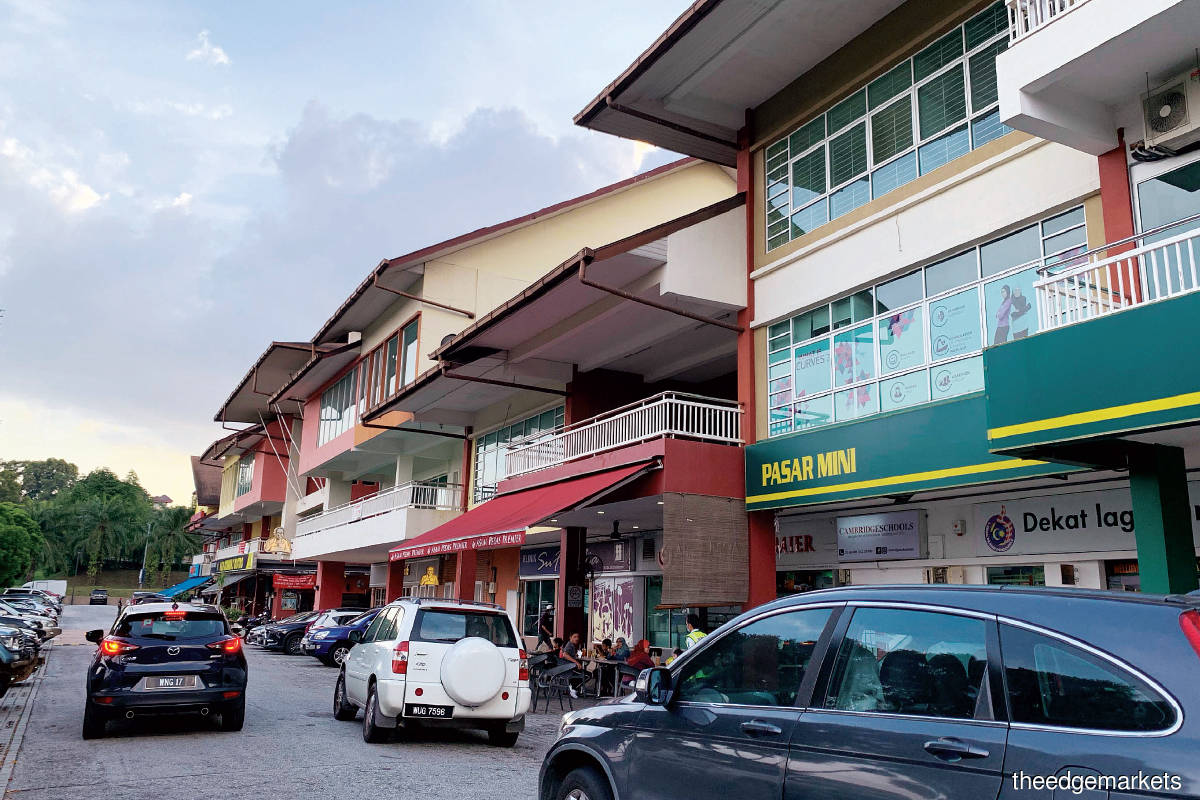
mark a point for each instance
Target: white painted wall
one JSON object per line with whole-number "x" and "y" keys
{"x": 707, "y": 261}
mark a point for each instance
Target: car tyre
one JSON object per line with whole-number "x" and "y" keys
{"x": 498, "y": 737}
{"x": 584, "y": 783}
{"x": 234, "y": 716}
{"x": 339, "y": 653}
{"x": 372, "y": 733}
{"x": 94, "y": 722}
{"x": 343, "y": 709}
{"x": 291, "y": 645}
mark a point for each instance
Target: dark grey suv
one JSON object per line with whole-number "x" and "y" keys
{"x": 889, "y": 692}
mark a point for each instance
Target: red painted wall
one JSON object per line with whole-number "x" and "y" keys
{"x": 312, "y": 456}
{"x": 601, "y": 390}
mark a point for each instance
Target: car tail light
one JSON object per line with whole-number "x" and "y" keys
{"x": 114, "y": 647}
{"x": 523, "y": 666}
{"x": 400, "y": 659}
{"x": 1190, "y": 622}
{"x": 233, "y": 645}
{"x": 174, "y": 615}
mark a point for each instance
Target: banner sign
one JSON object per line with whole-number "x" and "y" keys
{"x": 245, "y": 561}
{"x": 879, "y": 537}
{"x": 615, "y": 556}
{"x": 540, "y": 562}
{"x": 459, "y": 545}
{"x": 294, "y": 581}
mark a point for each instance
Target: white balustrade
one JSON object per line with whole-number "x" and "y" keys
{"x": 415, "y": 494}
{"x": 1026, "y": 16}
{"x": 674, "y": 414}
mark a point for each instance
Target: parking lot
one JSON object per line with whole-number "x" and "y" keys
{"x": 290, "y": 747}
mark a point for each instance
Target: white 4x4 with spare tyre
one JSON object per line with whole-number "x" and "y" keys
{"x": 437, "y": 663}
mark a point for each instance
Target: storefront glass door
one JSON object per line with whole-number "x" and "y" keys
{"x": 538, "y": 595}
{"x": 664, "y": 626}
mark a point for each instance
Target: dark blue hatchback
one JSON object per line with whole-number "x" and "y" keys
{"x": 908, "y": 691}
{"x": 166, "y": 658}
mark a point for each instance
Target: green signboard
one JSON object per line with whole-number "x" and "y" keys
{"x": 931, "y": 446}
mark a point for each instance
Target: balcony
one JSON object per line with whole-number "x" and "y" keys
{"x": 362, "y": 531}
{"x": 670, "y": 414}
{"x": 238, "y": 549}
{"x": 1076, "y": 70}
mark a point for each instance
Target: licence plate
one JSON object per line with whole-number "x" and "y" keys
{"x": 428, "y": 712}
{"x": 172, "y": 682}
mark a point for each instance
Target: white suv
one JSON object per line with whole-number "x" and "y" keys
{"x": 442, "y": 663}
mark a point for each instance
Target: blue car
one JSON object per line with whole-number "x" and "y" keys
{"x": 330, "y": 643}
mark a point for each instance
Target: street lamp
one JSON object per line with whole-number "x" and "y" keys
{"x": 145, "y": 555}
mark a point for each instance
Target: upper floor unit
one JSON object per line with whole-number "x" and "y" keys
{"x": 254, "y": 474}
{"x": 1076, "y": 71}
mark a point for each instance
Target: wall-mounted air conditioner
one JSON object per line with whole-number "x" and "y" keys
{"x": 1172, "y": 116}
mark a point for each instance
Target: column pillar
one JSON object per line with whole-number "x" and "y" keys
{"x": 762, "y": 559}
{"x": 331, "y": 584}
{"x": 569, "y": 614}
{"x": 1162, "y": 519}
{"x": 277, "y": 604}
{"x": 395, "y": 581}
{"x": 464, "y": 575}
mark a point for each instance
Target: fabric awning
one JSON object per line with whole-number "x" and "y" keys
{"x": 502, "y": 521}
{"x": 185, "y": 586}
{"x": 230, "y": 580}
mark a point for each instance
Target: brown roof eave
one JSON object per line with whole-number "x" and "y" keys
{"x": 322, "y": 352}
{"x": 220, "y": 415}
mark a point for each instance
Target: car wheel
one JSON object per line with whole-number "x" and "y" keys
{"x": 498, "y": 737}
{"x": 339, "y": 653}
{"x": 584, "y": 783}
{"x": 93, "y": 721}
{"x": 343, "y": 709}
{"x": 372, "y": 733}
{"x": 291, "y": 645}
{"x": 234, "y": 716}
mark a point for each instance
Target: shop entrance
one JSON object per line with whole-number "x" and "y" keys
{"x": 798, "y": 581}
{"x": 1033, "y": 575}
{"x": 538, "y": 595}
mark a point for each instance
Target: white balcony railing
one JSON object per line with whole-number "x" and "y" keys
{"x": 416, "y": 494}
{"x": 1026, "y": 16}
{"x": 673, "y": 414}
{"x": 237, "y": 549}
{"x": 1096, "y": 284}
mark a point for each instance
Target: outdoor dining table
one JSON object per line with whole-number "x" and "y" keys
{"x": 603, "y": 665}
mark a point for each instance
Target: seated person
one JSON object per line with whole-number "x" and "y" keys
{"x": 640, "y": 657}
{"x": 620, "y": 650}
{"x": 604, "y": 649}
{"x": 572, "y": 653}
{"x": 674, "y": 655}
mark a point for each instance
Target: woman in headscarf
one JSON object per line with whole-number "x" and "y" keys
{"x": 640, "y": 657}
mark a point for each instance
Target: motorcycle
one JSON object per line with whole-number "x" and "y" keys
{"x": 244, "y": 624}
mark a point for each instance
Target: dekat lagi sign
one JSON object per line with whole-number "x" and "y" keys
{"x": 879, "y": 537}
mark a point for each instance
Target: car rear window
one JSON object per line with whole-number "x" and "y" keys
{"x": 450, "y": 625}
{"x": 157, "y": 625}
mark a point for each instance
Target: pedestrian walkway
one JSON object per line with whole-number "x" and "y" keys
{"x": 15, "y": 708}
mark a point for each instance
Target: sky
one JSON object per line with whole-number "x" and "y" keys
{"x": 182, "y": 183}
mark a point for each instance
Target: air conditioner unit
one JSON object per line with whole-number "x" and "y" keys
{"x": 1172, "y": 113}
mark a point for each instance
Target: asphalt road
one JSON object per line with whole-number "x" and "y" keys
{"x": 291, "y": 745}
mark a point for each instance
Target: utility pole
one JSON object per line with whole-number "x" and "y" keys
{"x": 145, "y": 555}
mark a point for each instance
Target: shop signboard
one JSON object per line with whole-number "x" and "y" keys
{"x": 879, "y": 537}
{"x": 1063, "y": 523}
{"x": 805, "y": 542}
{"x": 244, "y": 561}
{"x": 293, "y": 581}
{"x": 540, "y": 562}
{"x": 614, "y": 556}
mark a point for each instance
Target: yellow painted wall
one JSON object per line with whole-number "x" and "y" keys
{"x": 229, "y": 472}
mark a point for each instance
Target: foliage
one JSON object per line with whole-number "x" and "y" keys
{"x": 100, "y": 517}
{"x": 20, "y": 542}
{"x": 45, "y": 480}
{"x": 10, "y": 482}
{"x": 169, "y": 543}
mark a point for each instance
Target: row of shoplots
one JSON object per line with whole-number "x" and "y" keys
{"x": 882, "y": 327}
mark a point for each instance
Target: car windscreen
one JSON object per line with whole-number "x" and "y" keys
{"x": 171, "y": 626}
{"x": 450, "y": 625}
{"x": 366, "y": 616}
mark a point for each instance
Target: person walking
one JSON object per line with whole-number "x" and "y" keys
{"x": 694, "y": 634}
{"x": 546, "y": 627}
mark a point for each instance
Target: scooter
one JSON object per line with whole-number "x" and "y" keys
{"x": 244, "y": 624}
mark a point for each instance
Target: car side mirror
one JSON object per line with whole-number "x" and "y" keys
{"x": 356, "y": 636}
{"x": 654, "y": 687}
{"x": 94, "y": 636}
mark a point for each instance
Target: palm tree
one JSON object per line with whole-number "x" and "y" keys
{"x": 106, "y": 522}
{"x": 170, "y": 540}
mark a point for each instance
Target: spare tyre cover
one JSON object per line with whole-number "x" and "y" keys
{"x": 473, "y": 671}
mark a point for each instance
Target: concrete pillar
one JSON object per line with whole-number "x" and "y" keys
{"x": 331, "y": 584}
{"x": 295, "y": 483}
{"x": 277, "y": 604}
{"x": 464, "y": 575}
{"x": 395, "y": 581}
{"x": 339, "y": 492}
{"x": 1162, "y": 523}
{"x": 404, "y": 470}
{"x": 569, "y": 614}
{"x": 761, "y": 579}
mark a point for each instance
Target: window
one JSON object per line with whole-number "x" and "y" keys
{"x": 245, "y": 474}
{"x": 491, "y": 448}
{"x": 409, "y": 340}
{"x": 192, "y": 625}
{"x": 386, "y": 626}
{"x": 898, "y": 661}
{"x": 760, "y": 664}
{"x": 1053, "y": 683}
{"x": 538, "y": 595}
{"x": 922, "y": 113}
{"x": 915, "y": 338}
{"x": 390, "y": 366}
{"x": 450, "y": 626}
{"x": 337, "y": 409}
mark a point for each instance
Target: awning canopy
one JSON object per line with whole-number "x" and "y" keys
{"x": 185, "y": 586}
{"x": 503, "y": 520}
{"x": 230, "y": 580}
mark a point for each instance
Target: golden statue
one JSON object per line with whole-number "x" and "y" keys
{"x": 429, "y": 578}
{"x": 277, "y": 543}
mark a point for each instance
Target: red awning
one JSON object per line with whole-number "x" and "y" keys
{"x": 501, "y": 521}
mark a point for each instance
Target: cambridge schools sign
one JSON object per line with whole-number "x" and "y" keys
{"x": 930, "y": 446}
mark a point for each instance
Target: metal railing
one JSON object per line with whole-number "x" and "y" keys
{"x": 415, "y": 494}
{"x": 1095, "y": 284}
{"x": 237, "y": 549}
{"x": 1026, "y": 16}
{"x": 674, "y": 414}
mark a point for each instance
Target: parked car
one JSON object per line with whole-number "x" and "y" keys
{"x": 51, "y": 600}
{"x": 917, "y": 691}
{"x": 149, "y": 597}
{"x": 166, "y": 658}
{"x": 49, "y": 624}
{"x": 286, "y": 635}
{"x": 18, "y": 657}
{"x": 32, "y": 606}
{"x": 28, "y": 626}
{"x": 439, "y": 663}
{"x": 99, "y": 597}
{"x": 330, "y": 643}
{"x": 57, "y": 588}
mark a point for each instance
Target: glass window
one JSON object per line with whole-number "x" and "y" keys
{"x": 904, "y": 391}
{"x": 665, "y": 627}
{"x": 899, "y": 661}
{"x": 984, "y": 90}
{"x": 848, "y": 155}
{"x": 942, "y": 102}
{"x": 410, "y": 353}
{"x": 806, "y": 219}
{"x": 1170, "y": 197}
{"x": 943, "y": 150}
{"x": 858, "y": 402}
{"x": 245, "y": 474}
{"x": 901, "y": 341}
{"x": 1051, "y": 682}
{"x": 955, "y": 271}
{"x": 1013, "y": 250}
{"x": 846, "y": 199}
{"x": 938, "y": 54}
{"x": 1062, "y": 222}
{"x": 807, "y": 135}
{"x": 894, "y": 175}
{"x": 855, "y": 308}
{"x": 449, "y": 626}
{"x": 902, "y": 291}
{"x": 492, "y": 448}
{"x": 987, "y": 127}
{"x": 954, "y": 325}
{"x": 760, "y": 664}
{"x": 891, "y": 130}
{"x": 389, "y": 384}
{"x": 958, "y": 377}
{"x": 890, "y": 84}
{"x": 847, "y": 111}
{"x": 810, "y": 324}
{"x": 156, "y": 625}
{"x": 337, "y": 409}
{"x": 372, "y": 632}
{"x": 808, "y": 177}
{"x": 987, "y": 24}
{"x": 854, "y": 356}
{"x": 1009, "y": 307}
{"x": 813, "y": 413}
{"x": 813, "y": 374}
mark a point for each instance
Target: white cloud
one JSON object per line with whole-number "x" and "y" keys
{"x": 61, "y": 184}
{"x": 182, "y": 201}
{"x": 208, "y": 52}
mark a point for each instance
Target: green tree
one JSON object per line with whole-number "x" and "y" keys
{"x": 10, "y": 483}
{"x": 45, "y": 480}
{"x": 20, "y": 542}
{"x": 104, "y": 517}
{"x": 170, "y": 542}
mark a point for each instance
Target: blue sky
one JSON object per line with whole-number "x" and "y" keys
{"x": 182, "y": 183}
